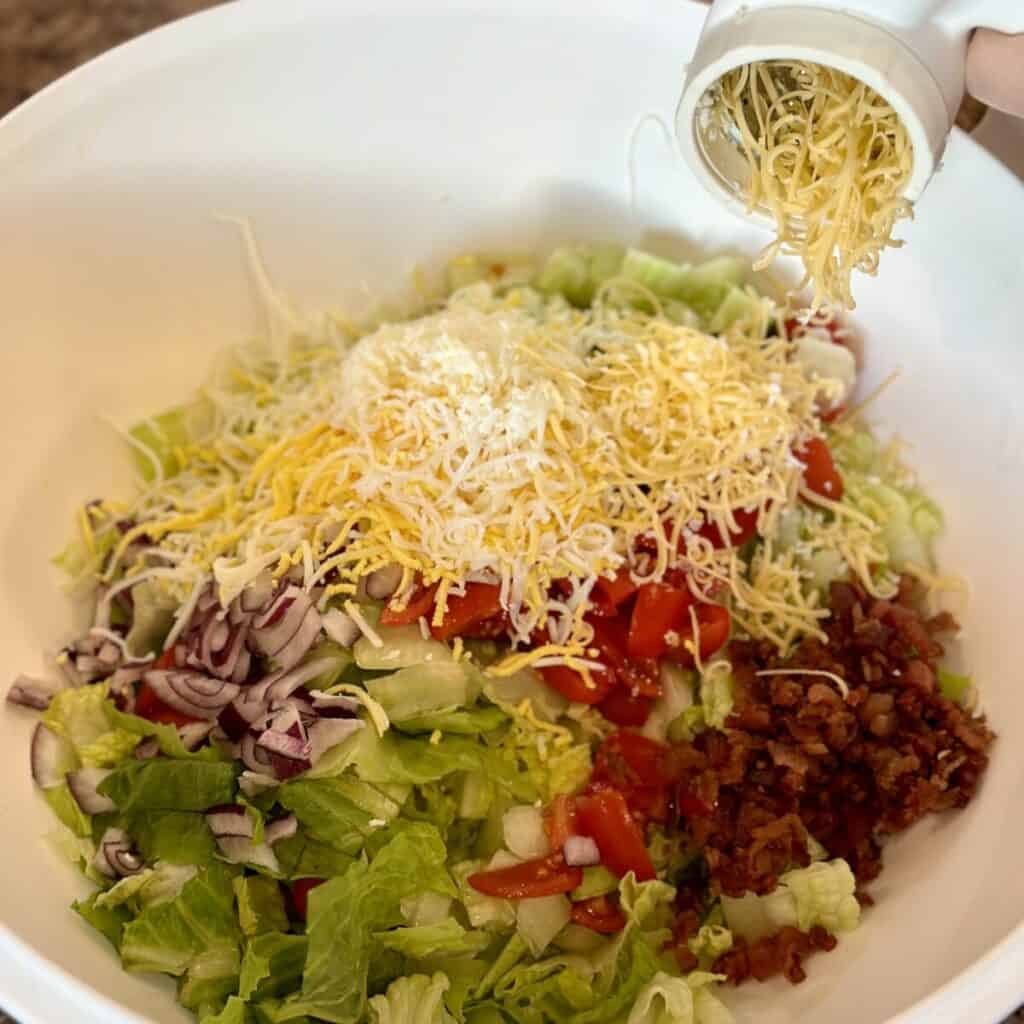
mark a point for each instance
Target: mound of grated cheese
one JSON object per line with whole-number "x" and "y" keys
{"x": 498, "y": 439}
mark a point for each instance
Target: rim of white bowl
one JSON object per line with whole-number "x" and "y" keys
{"x": 989, "y": 989}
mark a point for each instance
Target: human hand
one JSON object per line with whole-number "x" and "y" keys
{"x": 995, "y": 70}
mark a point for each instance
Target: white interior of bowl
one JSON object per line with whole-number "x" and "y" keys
{"x": 366, "y": 139}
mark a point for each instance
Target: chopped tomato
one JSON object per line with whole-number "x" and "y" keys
{"x": 623, "y": 707}
{"x": 573, "y": 686}
{"x": 599, "y": 914}
{"x": 149, "y": 706}
{"x": 660, "y": 610}
{"x": 820, "y": 473}
{"x": 300, "y": 894}
{"x": 420, "y": 603}
{"x": 560, "y": 821}
{"x": 746, "y": 523}
{"x": 481, "y": 601}
{"x": 605, "y": 817}
{"x": 713, "y": 623}
{"x": 628, "y": 759}
{"x": 547, "y": 876}
{"x": 638, "y": 675}
{"x": 609, "y": 594}
{"x": 166, "y": 660}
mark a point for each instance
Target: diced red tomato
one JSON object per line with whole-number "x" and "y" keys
{"x": 747, "y": 529}
{"x": 605, "y": 817}
{"x": 609, "y": 595}
{"x": 713, "y": 624}
{"x": 149, "y": 706}
{"x": 599, "y": 914}
{"x": 660, "y": 610}
{"x": 166, "y": 660}
{"x": 820, "y": 473}
{"x": 627, "y": 759}
{"x": 420, "y": 603}
{"x": 480, "y": 602}
{"x": 560, "y": 820}
{"x": 573, "y": 686}
{"x": 300, "y": 894}
{"x": 638, "y": 675}
{"x": 547, "y": 876}
{"x": 623, "y": 707}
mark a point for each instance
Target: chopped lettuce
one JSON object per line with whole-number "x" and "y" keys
{"x": 260, "y": 905}
{"x": 162, "y": 784}
{"x": 415, "y": 999}
{"x": 819, "y": 895}
{"x": 272, "y": 965}
{"x": 149, "y": 888}
{"x": 954, "y": 687}
{"x": 671, "y": 1000}
{"x": 428, "y": 941}
{"x": 432, "y": 689}
{"x": 161, "y": 437}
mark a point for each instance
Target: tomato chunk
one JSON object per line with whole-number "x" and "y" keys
{"x": 605, "y": 817}
{"x": 746, "y": 523}
{"x": 420, "y": 603}
{"x": 623, "y": 707}
{"x": 481, "y": 601}
{"x": 660, "y": 610}
{"x": 628, "y": 759}
{"x": 300, "y": 894}
{"x": 713, "y": 624}
{"x": 560, "y": 821}
{"x": 638, "y": 675}
{"x": 609, "y": 594}
{"x": 599, "y": 914}
{"x": 820, "y": 473}
{"x": 149, "y": 706}
{"x": 546, "y": 876}
{"x": 166, "y": 660}
{"x": 573, "y": 686}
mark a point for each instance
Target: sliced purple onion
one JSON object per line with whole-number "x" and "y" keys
{"x": 239, "y": 850}
{"x": 109, "y": 654}
{"x": 236, "y": 717}
{"x": 194, "y": 734}
{"x": 255, "y": 757}
{"x": 382, "y": 583}
{"x": 191, "y": 693}
{"x": 287, "y": 629}
{"x": 282, "y": 828}
{"x": 229, "y": 820}
{"x": 333, "y": 705}
{"x": 149, "y": 747}
{"x": 30, "y": 693}
{"x": 581, "y": 852}
{"x": 328, "y": 733}
{"x": 254, "y": 783}
{"x": 116, "y": 857}
{"x": 51, "y": 756}
{"x": 289, "y": 755}
{"x": 281, "y": 685}
{"x": 341, "y": 628}
{"x": 258, "y": 594}
{"x": 83, "y": 784}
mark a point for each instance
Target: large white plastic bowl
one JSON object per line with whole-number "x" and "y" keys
{"x": 362, "y": 139}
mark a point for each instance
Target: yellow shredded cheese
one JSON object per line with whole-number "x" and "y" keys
{"x": 485, "y": 443}
{"x": 829, "y": 159}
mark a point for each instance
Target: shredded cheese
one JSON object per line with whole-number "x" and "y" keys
{"x": 829, "y": 159}
{"x": 492, "y": 442}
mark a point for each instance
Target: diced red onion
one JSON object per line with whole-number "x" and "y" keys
{"x": 239, "y": 850}
{"x": 258, "y": 594}
{"x": 116, "y": 857}
{"x": 109, "y": 654}
{"x": 382, "y": 583}
{"x": 229, "y": 820}
{"x": 236, "y": 717}
{"x": 341, "y": 628}
{"x": 149, "y": 747}
{"x": 50, "y": 755}
{"x": 327, "y": 733}
{"x": 194, "y": 734}
{"x": 581, "y": 852}
{"x": 191, "y": 693}
{"x": 286, "y": 719}
{"x": 282, "y": 828}
{"x": 287, "y": 629}
{"x": 83, "y": 784}
{"x": 254, "y": 757}
{"x": 30, "y": 693}
{"x": 281, "y": 685}
{"x": 254, "y": 783}
{"x": 292, "y": 747}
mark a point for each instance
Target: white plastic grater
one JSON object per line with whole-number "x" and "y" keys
{"x": 911, "y": 52}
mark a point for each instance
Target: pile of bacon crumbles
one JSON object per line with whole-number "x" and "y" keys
{"x": 798, "y": 756}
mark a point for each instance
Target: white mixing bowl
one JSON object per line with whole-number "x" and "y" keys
{"x": 367, "y": 137}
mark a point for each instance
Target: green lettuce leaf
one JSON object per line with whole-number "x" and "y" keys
{"x": 431, "y": 689}
{"x": 260, "y": 905}
{"x": 415, "y": 999}
{"x": 302, "y": 856}
{"x": 163, "y": 784}
{"x": 345, "y": 912}
{"x": 149, "y": 888}
{"x": 110, "y": 922}
{"x": 235, "y": 1011}
{"x": 422, "y": 942}
{"x": 180, "y": 837}
{"x": 324, "y": 808}
{"x": 272, "y": 965}
{"x": 64, "y": 805}
{"x": 670, "y": 1000}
